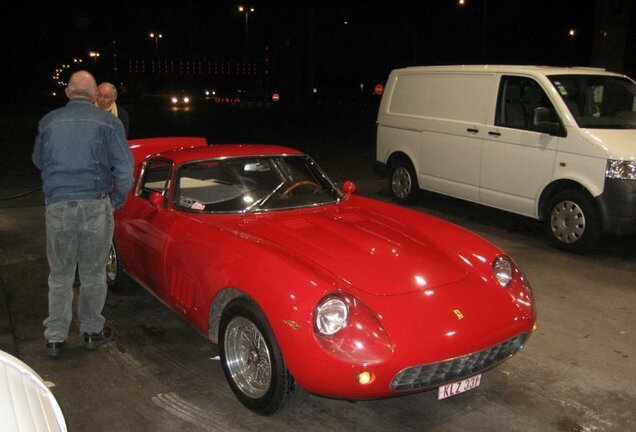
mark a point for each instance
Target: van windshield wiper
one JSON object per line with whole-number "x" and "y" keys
{"x": 610, "y": 126}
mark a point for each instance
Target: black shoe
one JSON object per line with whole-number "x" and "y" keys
{"x": 92, "y": 341}
{"x": 54, "y": 349}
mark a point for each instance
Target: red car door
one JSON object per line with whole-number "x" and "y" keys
{"x": 144, "y": 225}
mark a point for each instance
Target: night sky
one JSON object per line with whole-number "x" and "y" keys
{"x": 339, "y": 40}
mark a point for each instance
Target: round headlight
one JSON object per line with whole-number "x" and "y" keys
{"x": 331, "y": 316}
{"x": 174, "y": 100}
{"x": 502, "y": 269}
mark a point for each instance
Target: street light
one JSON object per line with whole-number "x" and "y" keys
{"x": 156, "y": 37}
{"x": 247, "y": 10}
{"x": 484, "y": 30}
{"x": 94, "y": 55}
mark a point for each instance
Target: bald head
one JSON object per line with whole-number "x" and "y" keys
{"x": 81, "y": 85}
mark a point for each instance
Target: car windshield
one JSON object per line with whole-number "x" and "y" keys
{"x": 598, "y": 101}
{"x": 250, "y": 184}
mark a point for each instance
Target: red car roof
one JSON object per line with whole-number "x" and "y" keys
{"x": 181, "y": 149}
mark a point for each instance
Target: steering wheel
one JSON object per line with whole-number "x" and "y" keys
{"x": 298, "y": 184}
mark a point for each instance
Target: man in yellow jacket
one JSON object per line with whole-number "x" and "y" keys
{"x": 107, "y": 100}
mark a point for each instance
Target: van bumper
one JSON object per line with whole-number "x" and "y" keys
{"x": 618, "y": 206}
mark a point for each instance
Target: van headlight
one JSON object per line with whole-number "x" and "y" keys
{"x": 620, "y": 169}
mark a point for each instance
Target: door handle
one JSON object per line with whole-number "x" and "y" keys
{"x": 473, "y": 130}
{"x": 494, "y": 133}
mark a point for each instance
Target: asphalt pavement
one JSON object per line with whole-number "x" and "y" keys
{"x": 576, "y": 373}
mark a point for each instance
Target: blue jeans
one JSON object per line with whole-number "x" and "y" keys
{"x": 78, "y": 236}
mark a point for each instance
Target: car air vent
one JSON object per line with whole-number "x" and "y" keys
{"x": 350, "y": 217}
{"x": 297, "y": 224}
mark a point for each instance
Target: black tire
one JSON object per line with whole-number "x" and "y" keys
{"x": 403, "y": 181}
{"x": 252, "y": 362}
{"x": 116, "y": 278}
{"x": 573, "y": 221}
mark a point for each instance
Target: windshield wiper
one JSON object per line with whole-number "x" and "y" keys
{"x": 263, "y": 200}
{"x": 610, "y": 126}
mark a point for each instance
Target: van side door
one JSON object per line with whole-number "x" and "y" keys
{"x": 517, "y": 160}
{"x": 454, "y": 109}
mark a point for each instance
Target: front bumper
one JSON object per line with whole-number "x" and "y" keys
{"x": 618, "y": 206}
{"x": 435, "y": 374}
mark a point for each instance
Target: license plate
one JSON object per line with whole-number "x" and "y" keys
{"x": 458, "y": 387}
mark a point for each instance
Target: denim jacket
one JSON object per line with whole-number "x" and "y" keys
{"x": 83, "y": 154}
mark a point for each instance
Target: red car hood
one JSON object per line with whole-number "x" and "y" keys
{"x": 373, "y": 252}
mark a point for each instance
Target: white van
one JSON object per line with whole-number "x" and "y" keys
{"x": 554, "y": 144}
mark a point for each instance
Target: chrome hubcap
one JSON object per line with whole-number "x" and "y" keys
{"x": 567, "y": 221}
{"x": 401, "y": 182}
{"x": 111, "y": 264}
{"x": 247, "y": 357}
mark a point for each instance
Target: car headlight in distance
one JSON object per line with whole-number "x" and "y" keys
{"x": 331, "y": 316}
{"x": 620, "y": 169}
{"x": 502, "y": 268}
{"x": 174, "y": 99}
{"x": 186, "y": 99}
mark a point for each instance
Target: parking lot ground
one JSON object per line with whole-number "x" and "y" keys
{"x": 576, "y": 373}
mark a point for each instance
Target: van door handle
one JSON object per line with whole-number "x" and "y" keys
{"x": 473, "y": 130}
{"x": 494, "y": 133}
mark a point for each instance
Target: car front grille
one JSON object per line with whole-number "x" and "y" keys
{"x": 434, "y": 374}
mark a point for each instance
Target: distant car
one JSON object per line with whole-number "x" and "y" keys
{"x": 27, "y": 403}
{"x": 309, "y": 288}
{"x": 181, "y": 99}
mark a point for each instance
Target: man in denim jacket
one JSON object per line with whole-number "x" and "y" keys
{"x": 87, "y": 169}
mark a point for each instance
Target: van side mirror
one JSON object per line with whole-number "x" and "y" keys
{"x": 541, "y": 121}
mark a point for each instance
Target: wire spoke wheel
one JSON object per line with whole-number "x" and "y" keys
{"x": 111, "y": 266}
{"x": 252, "y": 361}
{"x": 248, "y": 358}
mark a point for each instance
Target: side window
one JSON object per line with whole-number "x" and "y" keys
{"x": 518, "y": 97}
{"x": 155, "y": 178}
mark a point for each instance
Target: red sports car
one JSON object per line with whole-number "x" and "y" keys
{"x": 308, "y": 288}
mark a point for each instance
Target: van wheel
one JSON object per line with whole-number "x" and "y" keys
{"x": 574, "y": 222}
{"x": 403, "y": 181}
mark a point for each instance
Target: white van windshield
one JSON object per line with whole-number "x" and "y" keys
{"x": 597, "y": 101}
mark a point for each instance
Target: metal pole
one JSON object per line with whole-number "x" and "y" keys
{"x": 246, "y": 30}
